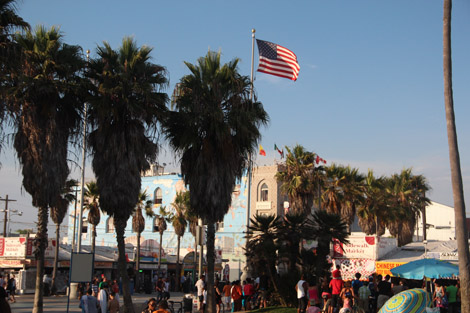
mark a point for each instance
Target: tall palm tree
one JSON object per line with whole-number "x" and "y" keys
{"x": 262, "y": 246}
{"x": 456, "y": 173}
{"x": 162, "y": 226}
{"x": 92, "y": 195}
{"x": 214, "y": 129}
{"x": 43, "y": 101}
{"x": 57, "y": 215}
{"x": 138, "y": 226}
{"x": 297, "y": 178}
{"x": 125, "y": 106}
{"x": 10, "y": 21}
{"x": 179, "y": 222}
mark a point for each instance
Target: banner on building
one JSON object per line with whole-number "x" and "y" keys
{"x": 383, "y": 268}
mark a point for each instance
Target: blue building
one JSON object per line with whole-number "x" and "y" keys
{"x": 162, "y": 190}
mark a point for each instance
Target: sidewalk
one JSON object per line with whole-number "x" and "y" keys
{"x": 24, "y": 303}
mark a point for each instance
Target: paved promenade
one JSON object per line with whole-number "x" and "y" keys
{"x": 24, "y": 303}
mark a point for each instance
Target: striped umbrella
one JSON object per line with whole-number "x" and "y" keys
{"x": 408, "y": 301}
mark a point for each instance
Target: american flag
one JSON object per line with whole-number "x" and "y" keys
{"x": 277, "y": 60}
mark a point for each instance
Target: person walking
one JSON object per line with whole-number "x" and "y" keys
{"x": 88, "y": 303}
{"x": 200, "y": 292}
{"x": 336, "y": 285}
{"x": 11, "y": 286}
{"x": 103, "y": 299}
{"x": 4, "y": 305}
{"x": 237, "y": 294}
{"x": 248, "y": 291}
{"x": 301, "y": 289}
{"x": 113, "y": 303}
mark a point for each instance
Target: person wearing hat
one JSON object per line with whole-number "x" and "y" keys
{"x": 336, "y": 285}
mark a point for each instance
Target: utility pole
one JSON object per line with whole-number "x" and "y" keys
{"x": 6, "y": 215}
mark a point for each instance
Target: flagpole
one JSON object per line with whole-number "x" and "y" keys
{"x": 248, "y": 207}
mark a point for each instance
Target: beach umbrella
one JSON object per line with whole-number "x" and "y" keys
{"x": 408, "y": 301}
{"x": 430, "y": 268}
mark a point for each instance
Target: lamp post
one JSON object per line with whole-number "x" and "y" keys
{"x": 14, "y": 212}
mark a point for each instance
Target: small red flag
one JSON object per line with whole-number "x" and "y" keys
{"x": 261, "y": 150}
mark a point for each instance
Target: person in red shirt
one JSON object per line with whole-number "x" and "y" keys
{"x": 237, "y": 296}
{"x": 336, "y": 285}
{"x": 248, "y": 291}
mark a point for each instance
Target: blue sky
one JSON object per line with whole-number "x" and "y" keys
{"x": 370, "y": 88}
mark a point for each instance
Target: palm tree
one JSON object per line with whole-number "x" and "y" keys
{"x": 161, "y": 220}
{"x": 456, "y": 173}
{"x": 333, "y": 196}
{"x": 92, "y": 195}
{"x": 214, "y": 129}
{"x": 326, "y": 227}
{"x": 352, "y": 185}
{"x": 44, "y": 104}
{"x": 179, "y": 222}
{"x": 292, "y": 231}
{"x": 372, "y": 212}
{"x": 125, "y": 106}
{"x": 297, "y": 179}
{"x": 57, "y": 215}
{"x": 404, "y": 202}
{"x": 138, "y": 226}
{"x": 262, "y": 246}
{"x": 9, "y": 50}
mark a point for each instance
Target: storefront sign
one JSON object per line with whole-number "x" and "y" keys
{"x": 449, "y": 256}
{"x": 383, "y": 268}
{"x": 15, "y": 247}
{"x": 359, "y": 247}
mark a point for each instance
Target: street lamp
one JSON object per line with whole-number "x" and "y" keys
{"x": 8, "y": 214}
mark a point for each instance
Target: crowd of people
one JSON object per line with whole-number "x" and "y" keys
{"x": 368, "y": 295}
{"x": 99, "y": 296}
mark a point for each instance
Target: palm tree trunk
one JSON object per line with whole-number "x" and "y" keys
{"x": 178, "y": 269}
{"x": 56, "y": 258}
{"x": 210, "y": 267}
{"x": 160, "y": 253}
{"x": 120, "y": 226}
{"x": 137, "y": 264}
{"x": 274, "y": 281}
{"x": 93, "y": 239}
{"x": 456, "y": 174}
{"x": 40, "y": 243}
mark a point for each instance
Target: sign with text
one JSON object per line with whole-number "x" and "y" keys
{"x": 15, "y": 247}
{"x": 359, "y": 247}
{"x": 383, "y": 268}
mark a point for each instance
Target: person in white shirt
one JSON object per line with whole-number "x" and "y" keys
{"x": 200, "y": 292}
{"x": 301, "y": 289}
{"x": 103, "y": 299}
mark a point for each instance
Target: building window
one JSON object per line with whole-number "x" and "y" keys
{"x": 219, "y": 226}
{"x": 263, "y": 193}
{"x": 157, "y": 196}
{"x": 110, "y": 225}
{"x": 84, "y": 225}
{"x": 155, "y": 225}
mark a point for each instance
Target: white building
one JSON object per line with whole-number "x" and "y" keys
{"x": 440, "y": 222}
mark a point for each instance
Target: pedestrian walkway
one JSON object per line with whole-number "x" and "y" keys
{"x": 24, "y": 303}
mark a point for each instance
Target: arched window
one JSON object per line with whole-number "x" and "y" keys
{"x": 110, "y": 225}
{"x": 157, "y": 195}
{"x": 84, "y": 225}
{"x": 263, "y": 192}
{"x": 155, "y": 225}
